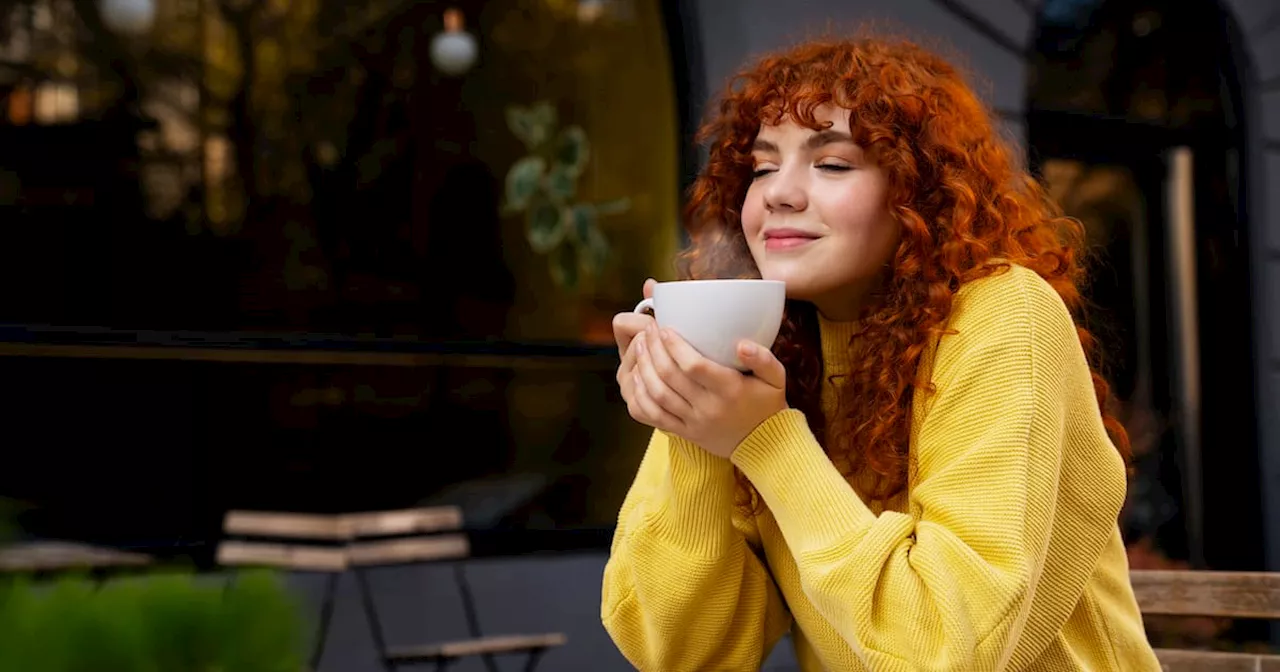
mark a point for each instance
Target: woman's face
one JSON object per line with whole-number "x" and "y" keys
{"x": 816, "y": 214}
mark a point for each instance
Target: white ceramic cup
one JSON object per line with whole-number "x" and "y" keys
{"x": 715, "y": 315}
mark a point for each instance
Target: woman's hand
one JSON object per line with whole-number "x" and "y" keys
{"x": 677, "y": 390}
{"x": 626, "y": 326}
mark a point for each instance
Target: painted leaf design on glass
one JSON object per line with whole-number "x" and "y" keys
{"x": 522, "y": 181}
{"x": 562, "y": 185}
{"x": 532, "y": 125}
{"x": 582, "y": 219}
{"x": 544, "y": 186}
{"x": 572, "y": 150}
{"x": 544, "y": 225}
{"x": 564, "y": 266}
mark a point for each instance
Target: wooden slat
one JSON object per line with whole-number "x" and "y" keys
{"x": 474, "y": 647}
{"x": 1172, "y": 660}
{"x": 412, "y": 549}
{"x": 342, "y": 527}
{"x": 307, "y": 558}
{"x": 1202, "y": 593}
{"x": 287, "y": 525}
{"x": 58, "y": 555}
{"x": 406, "y": 521}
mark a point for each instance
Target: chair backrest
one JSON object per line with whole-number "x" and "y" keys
{"x": 336, "y": 542}
{"x": 1200, "y": 593}
{"x": 52, "y": 556}
{"x": 1213, "y": 594}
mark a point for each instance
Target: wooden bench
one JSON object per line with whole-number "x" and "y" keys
{"x": 1212, "y": 594}
{"x": 360, "y": 542}
{"x": 57, "y": 556}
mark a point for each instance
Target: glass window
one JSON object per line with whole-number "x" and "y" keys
{"x": 369, "y": 170}
{"x": 372, "y": 251}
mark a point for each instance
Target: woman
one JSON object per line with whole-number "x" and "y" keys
{"x": 922, "y": 475}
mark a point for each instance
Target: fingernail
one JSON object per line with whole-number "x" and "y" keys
{"x": 665, "y": 334}
{"x": 747, "y": 348}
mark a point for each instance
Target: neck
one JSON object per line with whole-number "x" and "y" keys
{"x": 837, "y": 342}
{"x": 846, "y": 303}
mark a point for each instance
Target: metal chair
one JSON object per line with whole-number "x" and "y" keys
{"x": 362, "y": 542}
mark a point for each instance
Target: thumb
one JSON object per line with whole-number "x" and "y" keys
{"x": 648, "y": 288}
{"x": 763, "y": 364}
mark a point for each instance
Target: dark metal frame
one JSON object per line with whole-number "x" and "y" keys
{"x": 442, "y": 662}
{"x": 326, "y": 616}
{"x": 688, "y": 68}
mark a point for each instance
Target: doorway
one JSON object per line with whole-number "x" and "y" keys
{"x": 1140, "y": 137}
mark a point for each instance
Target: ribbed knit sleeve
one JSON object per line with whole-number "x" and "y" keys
{"x": 993, "y": 555}
{"x": 683, "y": 588}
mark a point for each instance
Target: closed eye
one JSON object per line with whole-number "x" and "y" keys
{"x": 761, "y": 172}
{"x": 834, "y": 168}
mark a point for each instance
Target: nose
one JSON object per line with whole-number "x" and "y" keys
{"x": 786, "y": 191}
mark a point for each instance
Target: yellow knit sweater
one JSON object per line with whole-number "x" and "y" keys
{"x": 1004, "y": 554}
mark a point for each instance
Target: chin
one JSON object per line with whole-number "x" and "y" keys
{"x": 799, "y": 285}
{"x": 801, "y": 294}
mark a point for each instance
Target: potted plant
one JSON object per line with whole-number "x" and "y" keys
{"x": 154, "y": 623}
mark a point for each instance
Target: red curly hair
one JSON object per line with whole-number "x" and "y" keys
{"x": 967, "y": 210}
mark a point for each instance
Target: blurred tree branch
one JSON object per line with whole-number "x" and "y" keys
{"x": 110, "y": 51}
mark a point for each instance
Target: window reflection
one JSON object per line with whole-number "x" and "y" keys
{"x": 358, "y": 178}
{"x": 254, "y": 177}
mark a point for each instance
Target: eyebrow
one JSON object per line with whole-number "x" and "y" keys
{"x": 819, "y": 139}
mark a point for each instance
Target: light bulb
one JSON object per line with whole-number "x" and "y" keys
{"x": 130, "y": 17}
{"x": 453, "y": 51}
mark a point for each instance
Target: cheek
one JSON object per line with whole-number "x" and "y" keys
{"x": 752, "y": 215}
{"x": 860, "y": 212}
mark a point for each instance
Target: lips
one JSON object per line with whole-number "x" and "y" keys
{"x": 785, "y": 239}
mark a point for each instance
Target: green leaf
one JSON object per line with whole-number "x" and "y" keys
{"x": 522, "y": 181}
{"x": 572, "y": 149}
{"x": 532, "y": 125}
{"x": 564, "y": 266}
{"x": 521, "y": 124}
{"x": 582, "y": 221}
{"x": 543, "y": 114}
{"x": 562, "y": 184}
{"x": 544, "y": 226}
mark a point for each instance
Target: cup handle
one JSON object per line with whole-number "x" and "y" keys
{"x": 645, "y": 306}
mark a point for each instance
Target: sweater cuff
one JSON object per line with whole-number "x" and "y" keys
{"x": 813, "y": 503}
{"x": 696, "y": 515}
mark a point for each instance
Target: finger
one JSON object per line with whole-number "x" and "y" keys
{"x": 628, "y": 364}
{"x": 647, "y": 290}
{"x": 626, "y": 326}
{"x": 657, "y": 387}
{"x": 763, "y": 364}
{"x": 665, "y": 367}
{"x": 650, "y": 412}
{"x": 700, "y": 370}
